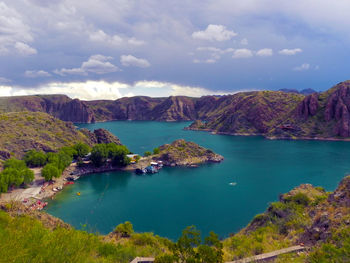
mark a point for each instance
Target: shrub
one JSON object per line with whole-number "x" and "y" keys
{"x": 300, "y": 199}
{"x": 156, "y": 151}
{"x": 148, "y": 153}
{"x": 124, "y": 229}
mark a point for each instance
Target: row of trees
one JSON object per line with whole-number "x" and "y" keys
{"x": 117, "y": 153}
{"x": 189, "y": 248}
{"x": 55, "y": 163}
{"x": 15, "y": 173}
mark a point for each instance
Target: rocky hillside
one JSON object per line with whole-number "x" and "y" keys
{"x": 307, "y": 215}
{"x": 23, "y": 131}
{"x": 183, "y": 153}
{"x": 275, "y": 114}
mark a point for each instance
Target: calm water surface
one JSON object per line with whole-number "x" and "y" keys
{"x": 167, "y": 202}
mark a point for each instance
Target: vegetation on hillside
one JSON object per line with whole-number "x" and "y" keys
{"x": 25, "y": 131}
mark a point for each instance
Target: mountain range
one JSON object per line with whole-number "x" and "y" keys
{"x": 274, "y": 114}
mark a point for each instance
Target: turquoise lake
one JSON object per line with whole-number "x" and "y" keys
{"x": 167, "y": 202}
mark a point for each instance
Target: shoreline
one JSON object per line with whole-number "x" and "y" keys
{"x": 270, "y": 137}
{"x": 40, "y": 190}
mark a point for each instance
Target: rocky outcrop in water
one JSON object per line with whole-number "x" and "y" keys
{"x": 184, "y": 153}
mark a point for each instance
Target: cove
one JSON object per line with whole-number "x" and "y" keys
{"x": 167, "y": 202}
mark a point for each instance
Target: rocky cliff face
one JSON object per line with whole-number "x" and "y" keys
{"x": 308, "y": 107}
{"x": 274, "y": 114}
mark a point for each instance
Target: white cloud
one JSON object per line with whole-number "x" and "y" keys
{"x": 265, "y": 52}
{"x": 36, "y": 73}
{"x": 302, "y": 67}
{"x": 101, "y": 37}
{"x": 5, "y": 91}
{"x": 129, "y": 60}
{"x": 214, "y": 33}
{"x": 24, "y": 49}
{"x": 242, "y": 53}
{"x": 244, "y": 41}
{"x": 206, "y": 61}
{"x": 4, "y": 80}
{"x": 98, "y": 90}
{"x": 14, "y": 33}
{"x": 97, "y": 64}
{"x": 290, "y": 52}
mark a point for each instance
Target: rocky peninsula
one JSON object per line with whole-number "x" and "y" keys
{"x": 184, "y": 153}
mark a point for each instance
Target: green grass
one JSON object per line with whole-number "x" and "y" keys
{"x": 25, "y": 239}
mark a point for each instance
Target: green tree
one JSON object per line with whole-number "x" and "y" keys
{"x": 125, "y": 229}
{"x": 70, "y": 151}
{"x": 99, "y": 154}
{"x": 50, "y": 171}
{"x": 82, "y": 149}
{"x": 35, "y": 158}
{"x": 156, "y": 151}
{"x": 184, "y": 248}
{"x": 148, "y": 153}
{"x": 118, "y": 154}
{"x": 211, "y": 251}
{"x": 15, "y": 173}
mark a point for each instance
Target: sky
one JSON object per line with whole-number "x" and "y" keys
{"x": 114, "y": 48}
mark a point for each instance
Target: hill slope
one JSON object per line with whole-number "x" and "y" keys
{"x": 275, "y": 114}
{"x": 23, "y": 131}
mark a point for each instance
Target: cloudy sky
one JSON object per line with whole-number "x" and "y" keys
{"x": 112, "y": 48}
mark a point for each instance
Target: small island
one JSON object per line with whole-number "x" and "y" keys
{"x": 184, "y": 153}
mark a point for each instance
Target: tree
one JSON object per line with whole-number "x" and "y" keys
{"x": 99, "y": 154}
{"x": 70, "y": 151}
{"x": 156, "y": 151}
{"x": 148, "y": 153}
{"x": 184, "y": 247}
{"x": 15, "y": 173}
{"x": 118, "y": 154}
{"x": 82, "y": 149}
{"x": 61, "y": 160}
{"x": 124, "y": 229}
{"x": 211, "y": 251}
{"x": 50, "y": 171}
{"x": 35, "y": 158}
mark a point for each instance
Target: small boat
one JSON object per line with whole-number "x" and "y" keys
{"x": 78, "y": 193}
{"x": 233, "y": 183}
{"x": 140, "y": 171}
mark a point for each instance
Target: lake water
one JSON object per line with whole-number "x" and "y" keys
{"x": 167, "y": 202}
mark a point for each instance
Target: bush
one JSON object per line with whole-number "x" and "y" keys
{"x": 300, "y": 199}
{"x": 50, "y": 171}
{"x": 156, "y": 151}
{"x": 35, "y": 158}
{"x": 124, "y": 229}
{"x": 148, "y": 153}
